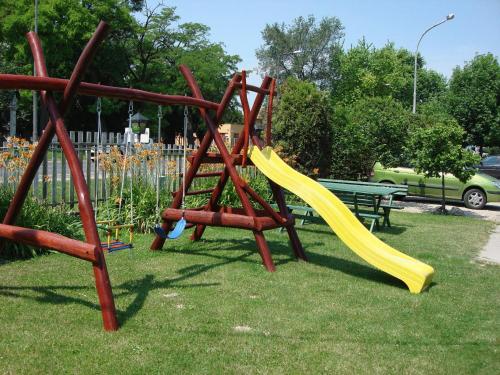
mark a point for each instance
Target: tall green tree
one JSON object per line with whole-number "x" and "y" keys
{"x": 371, "y": 129}
{"x": 474, "y": 99}
{"x": 318, "y": 43}
{"x": 301, "y": 127}
{"x": 437, "y": 150}
{"x": 142, "y": 53}
{"x": 160, "y": 45}
{"x": 366, "y": 71}
{"x": 64, "y": 28}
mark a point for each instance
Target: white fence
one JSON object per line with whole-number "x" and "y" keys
{"x": 54, "y": 183}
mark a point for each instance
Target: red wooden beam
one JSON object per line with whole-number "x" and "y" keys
{"x": 222, "y": 219}
{"x": 103, "y": 284}
{"x": 256, "y": 89}
{"x": 48, "y": 134}
{"x": 235, "y": 153}
{"x": 270, "y": 113}
{"x": 246, "y": 115}
{"x": 20, "y": 82}
{"x": 196, "y": 162}
{"x": 48, "y": 240}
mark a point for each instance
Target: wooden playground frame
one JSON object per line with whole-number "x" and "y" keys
{"x": 212, "y": 213}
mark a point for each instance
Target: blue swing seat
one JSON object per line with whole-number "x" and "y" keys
{"x": 175, "y": 233}
{"x": 116, "y": 246}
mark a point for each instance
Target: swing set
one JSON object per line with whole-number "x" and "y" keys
{"x": 212, "y": 214}
{"x": 110, "y": 226}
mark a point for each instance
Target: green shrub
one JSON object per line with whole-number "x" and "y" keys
{"x": 38, "y": 215}
{"x": 142, "y": 206}
{"x": 370, "y": 130}
{"x": 302, "y": 129}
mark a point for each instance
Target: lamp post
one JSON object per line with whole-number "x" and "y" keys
{"x": 296, "y": 52}
{"x": 449, "y": 17}
{"x": 35, "y": 94}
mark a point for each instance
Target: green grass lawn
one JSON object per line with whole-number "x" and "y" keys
{"x": 210, "y": 307}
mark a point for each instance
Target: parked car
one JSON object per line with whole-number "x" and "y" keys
{"x": 475, "y": 193}
{"x": 490, "y": 165}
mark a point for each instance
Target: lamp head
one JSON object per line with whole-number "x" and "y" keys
{"x": 450, "y": 16}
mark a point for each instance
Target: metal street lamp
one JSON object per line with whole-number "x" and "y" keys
{"x": 449, "y": 17}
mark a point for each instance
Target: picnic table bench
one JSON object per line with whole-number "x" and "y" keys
{"x": 367, "y": 200}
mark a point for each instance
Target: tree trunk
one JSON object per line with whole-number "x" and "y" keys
{"x": 443, "y": 201}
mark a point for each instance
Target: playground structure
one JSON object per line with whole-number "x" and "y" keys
{"x": 414, "y": 273}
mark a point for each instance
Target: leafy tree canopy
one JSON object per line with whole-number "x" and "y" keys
{"x": 474, "y": 99}
{"x": 142, "y": 53}
{"x": 388, "y": 72}
{"x": 437, "y": 149}
{"x": 370, "y": 130}
{"x": 301, "y": 128}
{"x": 318, "y": 43}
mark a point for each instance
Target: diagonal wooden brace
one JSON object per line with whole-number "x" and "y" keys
{"x": 56, "y": 125}
{"x": 44, "y": 141}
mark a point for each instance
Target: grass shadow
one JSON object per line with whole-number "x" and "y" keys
{"x": 284, "y": 250}
{"x": 355, "y": 269}
{"x": 140, "y": 288}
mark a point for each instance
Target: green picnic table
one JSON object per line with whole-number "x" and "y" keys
{"x": 377, "y": 199}
{"x": 367, "y": 200}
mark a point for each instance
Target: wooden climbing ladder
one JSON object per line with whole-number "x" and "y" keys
{"x": 247, "y": 217}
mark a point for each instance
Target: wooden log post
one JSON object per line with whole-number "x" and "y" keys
{"x": 103, "y": 284}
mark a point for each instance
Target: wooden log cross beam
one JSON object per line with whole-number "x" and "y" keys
{"x": 90, "y": 250}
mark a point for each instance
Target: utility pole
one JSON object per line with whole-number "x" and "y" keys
{"x": 13, "y": 111}
{"x": 35, "y": 94}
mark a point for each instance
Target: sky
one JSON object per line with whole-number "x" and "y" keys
{"x": 475, "y": 28}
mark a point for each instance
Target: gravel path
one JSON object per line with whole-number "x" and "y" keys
{"x": 415, "y": 204}
{"x": 491, "y": 252}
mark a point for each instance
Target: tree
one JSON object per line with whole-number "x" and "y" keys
{"x": 437, "y": 149}
{"x": 64, "y": 28}
{"x": 301, "y": 127}
{"x": 160, "y": 45}
{"x": 143, "y": 53}
{"x": 369, "y": 130}
{"x": 365, "y": 71}
{"x": 474, "y": 99}
{"x": 317, "y": 43}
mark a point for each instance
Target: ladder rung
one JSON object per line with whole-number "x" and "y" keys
{"x": 205, "y": 174}
{"x": 215, "y": 158}
{"x": 208, "y": 174}
{"x": 194, "y": 192}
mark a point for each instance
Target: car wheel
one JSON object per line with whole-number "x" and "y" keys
{"x": 475, "y": 199}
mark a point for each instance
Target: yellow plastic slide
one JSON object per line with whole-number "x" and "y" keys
{"x": 415, "y": 274}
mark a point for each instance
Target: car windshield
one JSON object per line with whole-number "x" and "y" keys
{"x": 491, "y": 160}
